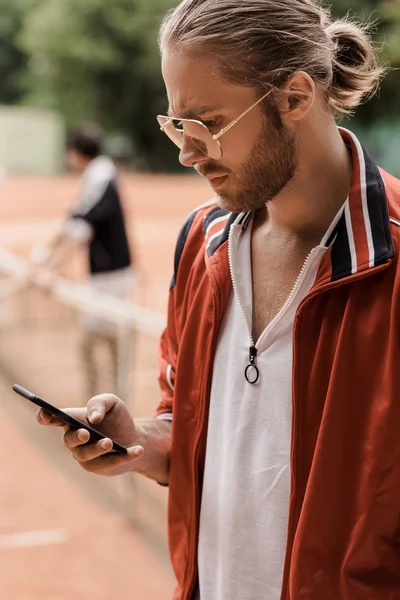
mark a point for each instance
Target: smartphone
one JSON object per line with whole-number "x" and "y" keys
{"x": 95, "y": 436}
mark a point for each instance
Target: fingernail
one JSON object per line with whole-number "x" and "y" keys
{"x": 94, "y": 415}
{"x": 105, "y": 444}
{"x": 138, "y": 450}
{"x": 82, "y": 435}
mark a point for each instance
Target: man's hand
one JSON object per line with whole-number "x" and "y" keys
{"x": 148, "y": 441}
{"x": 109, "y": 415}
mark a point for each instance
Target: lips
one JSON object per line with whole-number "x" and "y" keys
{"x": 217, "y": 181}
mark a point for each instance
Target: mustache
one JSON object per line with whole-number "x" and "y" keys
{"x": 211, "y": 170}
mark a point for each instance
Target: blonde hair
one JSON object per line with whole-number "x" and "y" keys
{"x": 264, "y": 42}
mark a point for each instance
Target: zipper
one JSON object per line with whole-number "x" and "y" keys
{"x": 234, "y": 286}
{"x": 252, "y": 373}
{"x": 289, "y": 298}
{"x": 291, "y": 521}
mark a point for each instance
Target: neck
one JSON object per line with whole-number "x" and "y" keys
{"x": 308, "y": 204}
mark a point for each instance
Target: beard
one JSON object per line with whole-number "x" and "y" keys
{"x": 269, "y": 167}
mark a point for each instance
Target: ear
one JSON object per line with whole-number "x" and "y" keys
{"x": 298, "y": 96}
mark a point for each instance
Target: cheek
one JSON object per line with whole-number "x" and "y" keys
{"x": 237, "y": 146}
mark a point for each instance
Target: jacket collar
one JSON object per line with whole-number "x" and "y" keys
{"x": 359, "y": 238}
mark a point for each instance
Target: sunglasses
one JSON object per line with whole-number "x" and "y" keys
{"x": 198, "y": 133}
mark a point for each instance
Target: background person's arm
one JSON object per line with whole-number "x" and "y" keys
{"x": 95, "y": 205}
{"x": 75, "y": 233}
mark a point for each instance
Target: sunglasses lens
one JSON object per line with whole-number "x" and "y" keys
{"x": 197, "y": 133}
{"x": 174, "y": 134}
{"x": 202, "y": 139}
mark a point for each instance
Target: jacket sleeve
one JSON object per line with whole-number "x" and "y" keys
{"x": 169, "y": 342}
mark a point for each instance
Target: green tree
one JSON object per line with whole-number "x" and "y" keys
{"x": 13, "y": 59}
{"x": 99, "y": 60}
{"x": 384, "y": 18}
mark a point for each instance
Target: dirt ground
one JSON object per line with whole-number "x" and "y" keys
{"x": 63, "y": 536}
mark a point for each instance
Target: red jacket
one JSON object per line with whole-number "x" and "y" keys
{"x": 343, "y": 538}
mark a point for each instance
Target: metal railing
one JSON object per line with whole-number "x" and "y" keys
{"x": 40, "y": 331}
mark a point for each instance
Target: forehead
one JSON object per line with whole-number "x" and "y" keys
{"x": 195, "y": 85}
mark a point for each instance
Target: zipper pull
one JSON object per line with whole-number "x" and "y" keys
{"x": 251, "y": 373}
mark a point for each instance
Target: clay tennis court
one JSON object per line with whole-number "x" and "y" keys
{"x": 63, "y": 533}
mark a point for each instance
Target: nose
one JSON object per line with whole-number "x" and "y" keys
{"x": 190, "y": 155}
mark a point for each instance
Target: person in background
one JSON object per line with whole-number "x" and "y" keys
{"x": 96, "y": 221}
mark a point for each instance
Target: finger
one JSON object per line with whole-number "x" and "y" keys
{"x": 87, "y": 452}
{"x": 45, "y": 418}
{"x": 90, "y": 452}
{"x": 109, "y": 462}
{"x": 98, "y": 406}
{"x": 134, "y": 452}
{"x": 76, "y": 437}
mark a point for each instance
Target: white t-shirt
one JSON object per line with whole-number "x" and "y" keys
{"x": 245, "y": 499}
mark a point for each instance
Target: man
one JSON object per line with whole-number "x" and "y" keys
{"x": 280, "y": 361}
{"x": 98, "y": 222}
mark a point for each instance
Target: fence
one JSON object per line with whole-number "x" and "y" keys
{"x": 39, "y": 348}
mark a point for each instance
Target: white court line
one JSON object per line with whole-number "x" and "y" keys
{"x": 34, "y": 539}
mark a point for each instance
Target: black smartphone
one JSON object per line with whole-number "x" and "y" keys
{"x": 95, "y": 436}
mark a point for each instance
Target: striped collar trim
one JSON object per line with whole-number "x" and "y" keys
{"x": 361, "y": 237}
{"x": 216, "y": 226}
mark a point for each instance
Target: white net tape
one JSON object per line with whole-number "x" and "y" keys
{"x": 42, "y": 347}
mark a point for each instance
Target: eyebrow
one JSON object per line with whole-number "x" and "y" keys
{"x": 194, "y": 113}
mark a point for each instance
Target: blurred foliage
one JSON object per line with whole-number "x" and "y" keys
{"x": 384, "y": 19}
{"x": 12, "y": 57}
{"x": 98, "y": 60}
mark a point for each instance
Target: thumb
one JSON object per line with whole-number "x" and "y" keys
{"x": 99, "y": 406}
